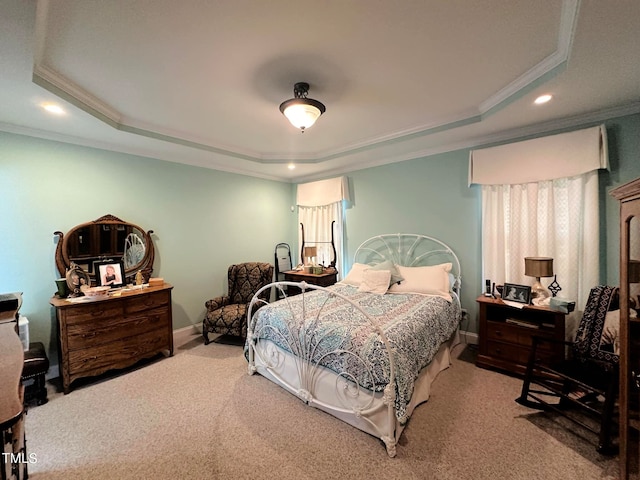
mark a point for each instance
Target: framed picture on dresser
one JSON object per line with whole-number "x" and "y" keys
{"x": 516, "y": 293}
{"x": 109, "y": 273}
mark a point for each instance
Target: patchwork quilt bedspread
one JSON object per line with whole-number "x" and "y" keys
{"x": 330, "y": 332}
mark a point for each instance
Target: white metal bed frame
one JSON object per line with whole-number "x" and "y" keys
{"x": 339, "y": 394}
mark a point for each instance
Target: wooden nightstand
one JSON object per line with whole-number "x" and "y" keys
{"x": 322, "y": 280}
{"x": 506, "y": 334}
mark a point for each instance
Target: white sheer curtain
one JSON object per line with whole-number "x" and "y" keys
{"x": 555, "y": 218}
{"x": 321, "y": 205}
{"x": 540, "y": 198}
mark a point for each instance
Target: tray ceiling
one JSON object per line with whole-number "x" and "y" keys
{"x": 201, "y": 82}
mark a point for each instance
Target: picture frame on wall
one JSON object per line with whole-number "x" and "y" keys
{"x": 517, "y": 293}
{"x": 109, "y": 273}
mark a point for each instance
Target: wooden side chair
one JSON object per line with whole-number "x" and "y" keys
{"x": 584, "y": 386}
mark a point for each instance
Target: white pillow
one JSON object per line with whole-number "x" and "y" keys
{"x": 375, "y": 281}
{"x": 431, "y": 280}
{"x": 354, "y": 277}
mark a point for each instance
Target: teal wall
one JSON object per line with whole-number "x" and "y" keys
{"x": 203, "y": 220}
{"x": 624, "y": 156}
{"x": 430, "y": 196}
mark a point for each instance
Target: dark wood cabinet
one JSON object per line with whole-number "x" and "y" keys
{"x": 505, "y": 334}
{"x": 629, "y": 402}
{"x": 95, "y": 336}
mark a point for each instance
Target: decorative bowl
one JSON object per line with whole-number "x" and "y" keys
{"x": 96, "y": 291}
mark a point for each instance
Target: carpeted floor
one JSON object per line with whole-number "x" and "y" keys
{"x": 198, "y": 415}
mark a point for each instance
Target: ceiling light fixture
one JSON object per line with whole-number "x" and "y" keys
{"x": 542, "y": 99}
{"x": 301, "y": 111}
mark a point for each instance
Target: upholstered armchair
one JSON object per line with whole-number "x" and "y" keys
{"x": 228, "y": 314}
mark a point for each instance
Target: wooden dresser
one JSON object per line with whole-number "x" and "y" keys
{"x": 95, "y": 336}
{"x": 505, "y": 334}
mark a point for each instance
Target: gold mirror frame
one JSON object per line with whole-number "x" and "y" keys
{"x": 64, "y": 259}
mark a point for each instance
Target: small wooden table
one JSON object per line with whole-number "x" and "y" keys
{"x": 322, "y": 280}
{"x": 505, "y": 334}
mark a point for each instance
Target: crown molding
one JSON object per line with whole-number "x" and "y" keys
{"x": 507, "y": 136}
{"x": 554, "y": 126}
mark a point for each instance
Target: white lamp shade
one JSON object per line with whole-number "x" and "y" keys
{"x": 302, "y": 115}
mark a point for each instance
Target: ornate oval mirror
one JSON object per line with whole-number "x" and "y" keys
{"x": 107, "y": 238}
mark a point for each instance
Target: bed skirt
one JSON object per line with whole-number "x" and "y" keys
{"x": 330, "y": 393}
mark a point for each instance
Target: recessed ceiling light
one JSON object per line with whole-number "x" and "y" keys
{"x": 53, "y": 108}
{"x": 291, "y": 166}
{"x": 542, "y": 99}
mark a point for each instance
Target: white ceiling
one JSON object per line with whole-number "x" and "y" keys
{"x": 200, "y": 82}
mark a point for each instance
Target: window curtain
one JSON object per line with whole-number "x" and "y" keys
{"x": 555, "y": 218}
{"x": 526, "y": 214}
{"x": 319, "y": 205}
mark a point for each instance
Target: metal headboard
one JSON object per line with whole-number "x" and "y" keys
{"x": 409, "y": 250}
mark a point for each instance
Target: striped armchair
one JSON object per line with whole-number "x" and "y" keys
{"x": 227, "y": 314}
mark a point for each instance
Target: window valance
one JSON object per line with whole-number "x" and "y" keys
{"x": 323, "y": 192}
{"x": 540, "y": 159}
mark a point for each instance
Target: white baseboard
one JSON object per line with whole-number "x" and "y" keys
{"x": 184, "y": 334}
{"x": 54, "y": 372}
{"x": 469, "y": 337}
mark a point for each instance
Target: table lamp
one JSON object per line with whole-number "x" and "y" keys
{"x": 538, "y": 267}
{"x": 309, "y": 254}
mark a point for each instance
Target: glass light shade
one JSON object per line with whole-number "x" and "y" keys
{"x": 302, "y": 115}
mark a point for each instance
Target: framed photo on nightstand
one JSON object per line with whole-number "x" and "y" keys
{"x": 516, "y": 293}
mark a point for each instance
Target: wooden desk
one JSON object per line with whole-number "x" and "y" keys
{"x": 322, "y": 280}
{"x": 95, "y": 336}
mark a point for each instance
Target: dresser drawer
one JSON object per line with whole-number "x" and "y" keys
{"x": 90, "y": 335}
{"x": 504, "y": 351}
{"x": 525, "y": 338}
{"x": 145, "y": 302}
{"x": 503, "y": 332}
{"x": 116, "y": 354}
{"x": 542, "y": 356}
{"x": 95, "y": 312}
